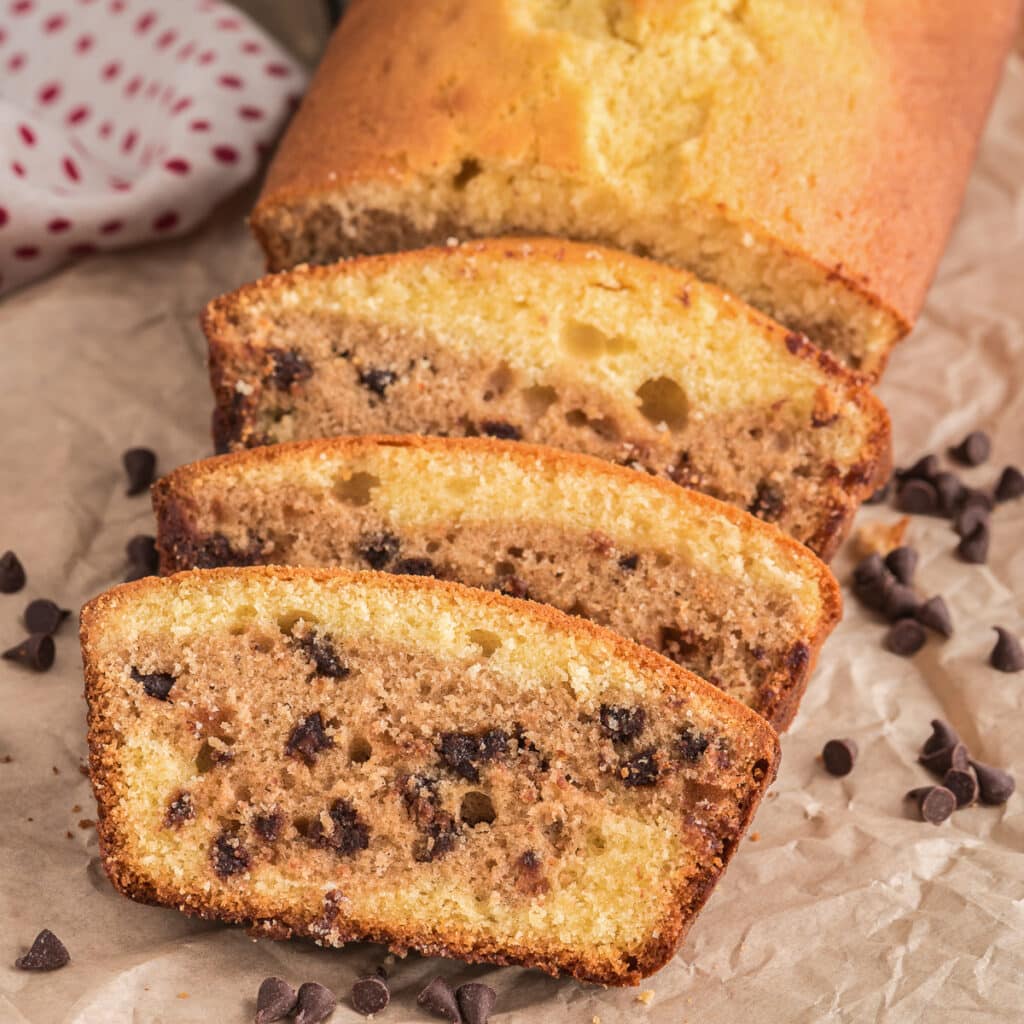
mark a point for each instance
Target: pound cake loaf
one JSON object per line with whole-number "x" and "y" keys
{"x": 716, "y": 590}
{"x": 810, "y": 157}
{"x": 353, "y": 756}
{"x": 578, "y": 347}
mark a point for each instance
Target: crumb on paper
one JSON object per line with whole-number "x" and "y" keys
{"x": 183, "y": 995}
{"x": 55, "y": 769}
{"x": 646, "y": 997}
{"x": 595, "y": 1019}
{"x": 880, "y": 538}
{"x": 755, "y": 837}
{"x": 76, "y": 808}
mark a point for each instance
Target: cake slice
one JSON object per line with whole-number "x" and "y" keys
{"x": 364, "y": 756}
{"x": 716, "y": 590}
{"x": 562, "y": 344}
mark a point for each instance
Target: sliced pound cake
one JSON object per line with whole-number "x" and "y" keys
{"x": 563, "y": 344}
{"x": 716, "y": 590}
{"x": 364, "y": 756}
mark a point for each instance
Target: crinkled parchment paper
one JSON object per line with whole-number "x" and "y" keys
{"x": 844, "y": 909}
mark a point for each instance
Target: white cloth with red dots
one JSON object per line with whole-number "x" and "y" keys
{"x": 125, "y": 121}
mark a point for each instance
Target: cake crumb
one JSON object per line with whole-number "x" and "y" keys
{"x": 880, "y": 538}
{"x": 76, "y": 808}
{"x": 183, "y": 995}
{"x": 755, "y": 837}
{"x": 646, "y": 997}
{"x": 595, "y": 1019}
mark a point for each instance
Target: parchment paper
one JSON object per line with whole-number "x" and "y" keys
{"x": 844, "y": 909}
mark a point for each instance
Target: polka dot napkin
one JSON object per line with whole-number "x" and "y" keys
{"x": 125, "y": 121}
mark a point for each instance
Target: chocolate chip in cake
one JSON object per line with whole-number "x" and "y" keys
{"x": 641, "y": 769}
{"x": 882, "y": 495}
{"x": 288, "y": 367}
{"x": 476, "y": 1001}
{"x": 462, "y": 751}
{"x": 924, "y": 469}
{"x": 918, "y": 497}
{"x": 902, "y": 562}
{"x": 934, "y": 614}
{"x": 141, "y": 551}
{"x": 905, "y": 637}
{"x": 963, "y": 784}
{"x": 940, "y": 761}
{"x": 348, "y": 834}
{"x": 943, "y": 737}
{"x": 502, "y": 430}
{"x": 308, "y": 738}
{"x": 950, "y": 491}
{"x": 378, "y": 549}
{"x": 839, "y": 756}
{"x": 377, "y": 381}
{"x": 768, "y": 503}
{"x": 44, "y": 616}
{"x": 420, "y": 797}
{"x": 35, "y": 652}
{"x": 678, "y": 645}
{"x": 275, "y": 1000}
{"x": 692, "y": 745}
{"x": 797, "y": 658}
{"x": 140, "y": 468}
{"x": 995, "y": 785}
{"x": 439, "y": 837}
{"x": 370, "y": 994}
{"x": 229, "y": 856}
{"x": 628, "y": 563}
{"x": 934, "y": 803}
{"x": 268, "y": 826}
{"x": 622, "y": 724}
{"x": 156, "y": 684}
{"x": 1007, "y": 655}
{"x": 319, "y": 649}
{"x": 973, "y": 450}
{"x": 1010, "y": 484}
{"x": 969, "y": 518}
{"x": 414, "y": 567}
{"x": 180, "y": 810}
{"x": 216, "y": 550}
{"x": 47, "y": 953}
{"x": 315, "y": 1003}
{"x": 439, "y": 999}
{"x": 12, "y": 573}
{"x": 973, "y": 547}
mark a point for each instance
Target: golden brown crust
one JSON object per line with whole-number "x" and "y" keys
{"x": 107, "y": 780}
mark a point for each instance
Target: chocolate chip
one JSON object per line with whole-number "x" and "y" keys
{"x": 275, "y": 1000}
{"x": 905, "y": 638}
{"x": 414, "y": 567}
{"x": 934, "y": 803}
{"x": 35, "y": 652}
{"x": 969, "y": 518}
{"x": 622, "y": 724}
{"x": 973, "y": 547}
{"x": 628, "y": 563}
{"x": 461, "y": 751}
{"x": 501, "y": 429}
{"x": 640, "y": 770}
{"x": 476, "y": 1001}
{"x": 12, "y": 573}
{"x": 940, "y": 761}
{"x": 798, "y": 657}
{"x": 156, "y": 684}
{"x": 870, "y": 568}
{"x": 439, "y": 837}
{"x": 881, "y": 495}
{"x": 1010, "y": 484}
{"x": 950, "y": 492}
{"x": 995, "y": 785}
{"x": 924, "y": 469}
{"x": 377, "y": 381}
{"x": 47, "y": 953}
{"x": 140, "y": 468}
{"x": 439, "y": 999}
{"x": 839, "y": 756}
{"x": 44, "y": 616}
{"x": 973, "y": 450}
{"x": 1007, "y": 655}
{"x": 315, "y": 1003}
{"x": 180, "y": 810}
{"x": 918, "y": 497}
{"x": 934, "y": 614}
{"x": 288, "y": 368}
{"x": 898, "y": 602}
{"x": 319, "y": 649}
{"x": 349, "y": 833}
{"x": 370, "y": 994}
{"x": 963, "y": 784}
{"x": 229, "y": 856}
{"x": 943, "y": 736}
{"x": 768, "y": 503}
{"x": 902, "y": 562}
{"x": 420, "y": 797}
{"x": 972, "y": 496}
{"x": 268, "y": 826}
{"x": 692, "y": 744}
{"x": 377, "y": 550}
{"x": 141, "y": 551}
{"x": 308, "y": 739}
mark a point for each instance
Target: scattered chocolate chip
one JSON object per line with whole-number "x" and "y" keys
{"x": 1010, "y": 484}
{"x": 180, "y": 810}
{"x": 905, "y": 637}
{"x": 940, "y": 761}
{"x": 902, "y": 562}
{"x": 628, "y": 563}
{"x": 974, "y": 497}
{"x": 973, "y": 547}
{"x": 44, "y": 616}
{"x": 461, "y": 751}
{"x": 319, "y": 649}
{"x": 963, "y": 784}
{"x": 692, "y": 744}
{"x": 995, "y": 785}
{"x": 640, "y": 770}
{"x": 1007, "y": 655}
{"x": 973, "y": 450}
{"x": 768, "y": 503}
{"x": 924, "y": 469}
{"x": 275, "y": 1000}
{"x": 140, "y": 468}
{"x": 229, "y": 856}
{"x": 439, "y": 999}
{"x": 839, "y": 756}
{"x": 12, "y": 573}
{"x": 870, "y": 568}
{"x": 377, "y": 381}
{"x": 35, "y": 652}
{"x": 881, "y": 496}
{"x": 502, "y": 430}
{"x": 918, "y": 497}
{"x": 934, "y": 803}
{"x": 622, "y": 724}
{"x": 288, "y": 367}
{"x": 950, "y": 492}
{"x": 141, "y": 551}
{"x": 943, "y": 736}
{"x": 377, "y": 550}
{"x": 898, "y": 602}
{"x": 414, "y": 567}
{"x": 349, "y": 833}
{"x": 370, "y": 994}
{"x": 315, "y": 1003}
{"x": 47, "y": 953}
{"x": 308, "y": 738}
{"x": 268, "y": 826}
{"x": 156, "y": 684}
{"x": 969, "y": 518}
{"x": 476, "y": 1001}
{"x": 934, "y": 614}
